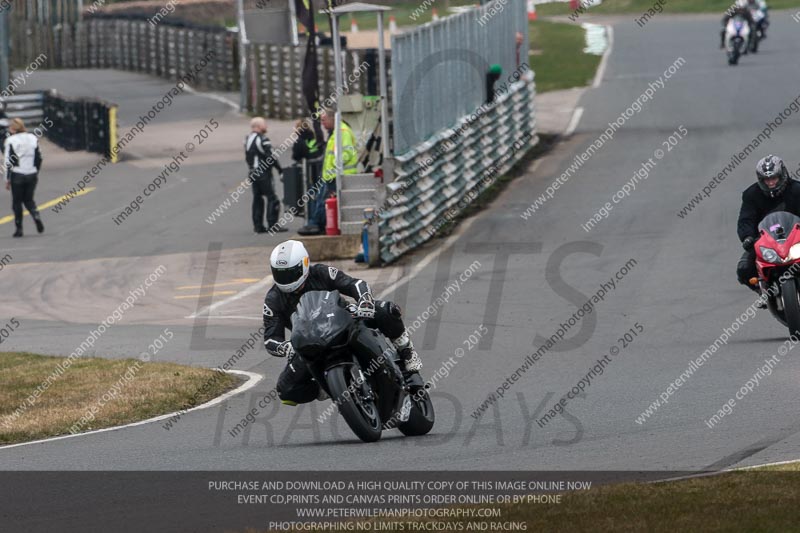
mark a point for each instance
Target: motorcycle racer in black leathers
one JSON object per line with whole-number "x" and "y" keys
{"x": 293, "y": 277}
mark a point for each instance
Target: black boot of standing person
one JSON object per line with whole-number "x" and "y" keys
{"x": 22, "y": 160}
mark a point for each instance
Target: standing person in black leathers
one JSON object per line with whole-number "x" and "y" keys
{"x": 307, "y": 147}
{"x": 22, "y": 162}
{"x": 293, "y": 276}
{"x": 740, "y": 10}
{"x": 774, "y": 191}
{"x": 260, "y": 162}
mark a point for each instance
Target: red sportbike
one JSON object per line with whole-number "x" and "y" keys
{"x": 778, "y": 263}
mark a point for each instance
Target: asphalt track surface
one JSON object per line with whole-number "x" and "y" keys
{"x": 533, "y": 275}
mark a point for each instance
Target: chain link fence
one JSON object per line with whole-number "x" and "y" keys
{"x": 439, "y": 69}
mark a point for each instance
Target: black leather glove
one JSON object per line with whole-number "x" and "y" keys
{"x": 749, "y": 243}
{"x": 366, "y": 306}
{"x": 285, "y": 349}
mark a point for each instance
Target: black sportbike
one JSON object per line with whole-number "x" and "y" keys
{"x": 359, "y": 368}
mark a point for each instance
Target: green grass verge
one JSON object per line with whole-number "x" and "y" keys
{"x": 557, "y": 56}
{"x": 402, "y": 11}
{"x": 143, "y": 390}
{"x": 764, "y": 500}
{"x": 738, "y": 501}
{"x": 614, "y": 7}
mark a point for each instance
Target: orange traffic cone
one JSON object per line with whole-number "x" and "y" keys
{"x": 435, "y": 14}
{"x": 531, "y": 10}
{"x": 353, "y": 25}
{"x": 392, "y": 24}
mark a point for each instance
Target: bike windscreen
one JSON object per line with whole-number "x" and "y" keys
{"x": 319, "y": 322}
{"x": 779, "y": 225}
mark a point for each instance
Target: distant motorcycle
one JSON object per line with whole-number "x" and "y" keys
{"x": 778, "y": 264}
{"x": 761, "y": 24}
{"x": 737, "y": 35}
{"x": 359, "y": 368}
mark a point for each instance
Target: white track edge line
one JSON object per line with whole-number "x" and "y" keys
{"x": 724, "y": 471}
{"x": 574, "y": 121}
{"x": 601, "y": 70}
{"x": 777, "y": 463}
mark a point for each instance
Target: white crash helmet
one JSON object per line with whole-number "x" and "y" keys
{"x": 289, "y": 263}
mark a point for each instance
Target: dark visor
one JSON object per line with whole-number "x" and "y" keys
{"x": 285, "y": 276}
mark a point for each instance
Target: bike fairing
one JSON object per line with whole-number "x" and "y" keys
{"x": 279, "y": 306}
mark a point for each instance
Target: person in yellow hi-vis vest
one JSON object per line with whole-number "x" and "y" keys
{"x": 316, "y": 225}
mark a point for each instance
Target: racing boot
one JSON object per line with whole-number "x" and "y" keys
{"x": 762, "y": 302}
{"x": 411, "y": 361}
{"x": 39, "y": 223}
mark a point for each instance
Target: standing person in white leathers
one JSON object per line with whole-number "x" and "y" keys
{"x": 22, "y": 161}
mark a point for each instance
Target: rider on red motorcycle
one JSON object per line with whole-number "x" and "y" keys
{"x": 774, "y": 191}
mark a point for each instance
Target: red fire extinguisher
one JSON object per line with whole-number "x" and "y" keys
{"x": 331, "y": 216}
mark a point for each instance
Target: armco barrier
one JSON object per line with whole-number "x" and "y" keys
{"x": 166, "y": 51}
{"x": 27, "y": 106}
{"x": 435, "y": 177}
{"x": 81, "y": 123}
{"x": 275, "y": 86}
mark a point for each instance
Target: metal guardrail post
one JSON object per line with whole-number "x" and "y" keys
{"x": 337, "y": 50}
{"x": 242, "y": 56}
